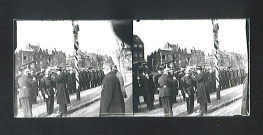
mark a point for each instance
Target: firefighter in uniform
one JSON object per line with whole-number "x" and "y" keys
{"x": 48, "y": 90}
{"x": 202, "y": 94}
{"x": 165, "y": 93}
{"x": 187, "y": 83}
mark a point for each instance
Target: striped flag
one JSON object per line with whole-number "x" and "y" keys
{"x": 216, "y": 47}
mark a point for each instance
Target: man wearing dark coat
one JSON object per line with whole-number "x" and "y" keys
{"x": 152, "y": 90}
{"x": 202, "y": 94}
{"x": 187, "y": 83}
{"x": 62, "y": 93}
{"x": 18, "y": 75}
{"x": 112, "y": 101}
{"x": 47, "y": 90}
{"x": 165, "y": 93}
{"x": 157, "y": 85}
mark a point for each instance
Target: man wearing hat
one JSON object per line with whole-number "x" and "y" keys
{"x": 202, "y": 94}
{"x": 112, "y": 101}
{"x": 18, "y": 75}
{"x": 62, "y": 93}
{"x": 187, "y": 83}
{"x": 165, "y": 93}
{"x": 157, "y": 85}
{"x": 47, "y": 90}
{"x": 25, "y": 93}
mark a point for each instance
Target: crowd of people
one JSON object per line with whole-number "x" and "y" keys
{"x": 186, "y": 81}
{"x": 50, "y": 82}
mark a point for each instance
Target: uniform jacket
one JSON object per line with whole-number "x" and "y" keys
{"x": 164, "y": 83}
{"x": 112, "y": 101}
{"x": 24, "y": 84}
{"x": 202, "y": 93}
{"x": 187, "y": 83}
{"x": 62, "y": 93}
{"x": 46, "y": 86}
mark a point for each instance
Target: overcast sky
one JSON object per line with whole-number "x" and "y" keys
{"x": 188, "y": 33}
{"x": 94, "y": 36}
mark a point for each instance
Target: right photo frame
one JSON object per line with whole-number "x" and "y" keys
{"x": 191, "y": 68}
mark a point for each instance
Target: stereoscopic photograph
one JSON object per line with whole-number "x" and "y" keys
{"x": 191, "y": 68}
{"x": 73, "y": 68}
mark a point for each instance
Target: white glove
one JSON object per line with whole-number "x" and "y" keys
{"x": 186, "y": 95}
{"x": 46, "y": 95}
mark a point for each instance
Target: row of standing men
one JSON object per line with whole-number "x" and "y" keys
{"x": 62, "y": 83}
{"x": 146, "y": 84}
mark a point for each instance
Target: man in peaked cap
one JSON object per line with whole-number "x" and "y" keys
{"x": 165, "y": 93}
{"x": 62, "y": 93}
{"x": 202, "y": 94}
{"x": 188, "y": 88}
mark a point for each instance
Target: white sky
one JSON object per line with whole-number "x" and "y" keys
{"x": 188, "y": 33}
{"x": 94, "y": 36}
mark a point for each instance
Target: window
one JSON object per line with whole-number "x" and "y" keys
{"x": 135, "y": 46}
{"x": 40, "y": 56}
{"x": 135, "y": 54}
{"x": 163, "y": 57}
{"x": 49, "y": 59}
{"x": 24, "y": 57}
{"x": 140, "y": 46}
{"x": 140, "y": 54}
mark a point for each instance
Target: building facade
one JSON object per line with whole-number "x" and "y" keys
{"x": 36, "y": 58}
{"x": 173, "y": 56}
{"x": 138, "y": 50}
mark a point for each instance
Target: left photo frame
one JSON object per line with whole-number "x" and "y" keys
{"x": 73, "y": 68}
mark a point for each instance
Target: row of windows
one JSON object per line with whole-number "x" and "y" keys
{"x": 135, "y": 54}
{"x": 138, "y": 46}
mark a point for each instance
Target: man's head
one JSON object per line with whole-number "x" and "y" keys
{"x": 106, "y": 69}
{"x": 114, "y": 68}
{"x": 187, "y": 72}
{"x": 198, "y": 69}
{"x": 26, "y": 72}
{"x": 166, "y": 70}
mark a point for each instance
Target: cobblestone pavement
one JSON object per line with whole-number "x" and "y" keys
{"x": 93, "y": 109}
{"x": 179, "y": 109}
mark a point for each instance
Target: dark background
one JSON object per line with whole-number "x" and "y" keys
{"x": 101, "y": 10}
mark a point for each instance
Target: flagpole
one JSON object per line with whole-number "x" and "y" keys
{"x": 216, "y": 48}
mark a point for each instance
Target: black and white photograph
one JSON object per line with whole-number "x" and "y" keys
{"x": 191, "y": 68}
{"x": 73, "y": 68}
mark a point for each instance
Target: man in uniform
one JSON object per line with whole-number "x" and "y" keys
{"x": 202, "y": 95}
{"x": 92, "y": 79}
{"x": 157, "y": 85}
{"x": 187, "y": 83}
{"x": 164, "y": 92}
{"x": 48, "y": 90}
{"x": 135, "y": 93}
{"x": 62, "y": 93}
{"x": 25, "y": 93}
{"x": 18, "y": 75}
{"x": 87, "y": 79}
{"x": 112, "y": 101}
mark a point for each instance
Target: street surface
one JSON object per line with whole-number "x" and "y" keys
{"x": 230, "y": 110}
{"x": 93, "y": 109}
{"x": 179, "y": 109}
